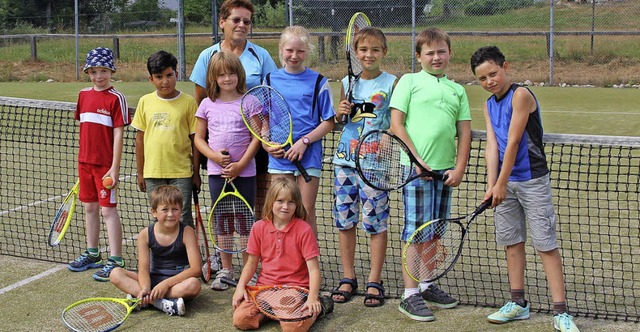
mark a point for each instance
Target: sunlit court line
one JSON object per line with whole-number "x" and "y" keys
{"x": 36, "y": 203}
{"x": 52, "y": 271}
{"x": 30, "y": 279}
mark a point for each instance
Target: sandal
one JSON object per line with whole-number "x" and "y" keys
{"x": 345, "y": 294}
{"x": 379, "y": 297}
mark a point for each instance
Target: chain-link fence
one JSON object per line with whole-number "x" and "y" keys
{"x": 575, "y": 42}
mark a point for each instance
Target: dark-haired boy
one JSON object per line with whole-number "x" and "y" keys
{"x": 518, "y": 180}
{"x": 166, "y": 123}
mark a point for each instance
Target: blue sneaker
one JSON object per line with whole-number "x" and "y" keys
{"x": 103, "y": 275}
{"x": 564, "y": 323}
{"x": 508, "y": 312}
{"x": 84, "y": 262}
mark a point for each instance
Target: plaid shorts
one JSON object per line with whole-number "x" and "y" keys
{"x": 350, "y": 191}
{"x": 424, "y": 200}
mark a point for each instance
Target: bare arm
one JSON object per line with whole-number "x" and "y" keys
{"x": 118, "y": 141}
{"x": 247, "y": 273}
{"x": 140, "y": 160}
{"x": 313, "y": 301}
{"x": 298, "y": 149}
{"x": 144, "y": 264}
{"x": 455, "y": 176}
{"x": 523, "y": 104}
{"x": 491, "y": 156}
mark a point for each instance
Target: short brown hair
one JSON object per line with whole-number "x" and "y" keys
{"x": 224, "y": 62}
{"x": 431, "y": 35}
{"x": 165, "y": 194}
{"x": 283, "y": 186}
{"x": 369, "y": 33}
{"x": 228, "y": 5}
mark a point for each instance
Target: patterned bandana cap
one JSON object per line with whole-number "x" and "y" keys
{"x": 100, "y": 57}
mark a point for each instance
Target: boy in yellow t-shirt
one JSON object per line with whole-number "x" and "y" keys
{"x": 166, "y": 123}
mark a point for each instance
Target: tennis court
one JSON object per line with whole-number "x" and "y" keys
{"x": 595, "y": 182}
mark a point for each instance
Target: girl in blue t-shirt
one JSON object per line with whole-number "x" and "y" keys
{"x": 309, "y": 97}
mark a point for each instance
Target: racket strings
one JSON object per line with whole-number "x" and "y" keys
{"x": 379, "y": 159}
{"x": 267, "y": 115}
{"x": 233, "y": 220}
{"x": 95, "y": 315}
{"x": 433, "y": 250}
{"x": 283, "y": 303}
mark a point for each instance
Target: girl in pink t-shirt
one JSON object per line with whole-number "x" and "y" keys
{"x": 286, "y": 247}
{"x": 230, "y": 147}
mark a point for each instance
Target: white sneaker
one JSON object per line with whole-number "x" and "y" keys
{"x": 173, "y": 306}
{"x": 216, "y": 261}
{"x": 564, "y": 323}
{"x": 217, "y": 283}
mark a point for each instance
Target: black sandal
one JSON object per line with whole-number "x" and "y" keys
{"x": 347, "y": 295}
{"x": 378, "y": 297}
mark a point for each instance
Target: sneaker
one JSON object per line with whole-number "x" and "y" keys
{"x": 254, "y": 280}
{"x": 216, "y": 262}
{"x": 103, "y": 275}
{"x": 85, "y": 261}
{"x": 439, "y": 298}
{"x": 508, "y": 312}
{"x": 173, "y": 306}
{"x": 564, "y": 323}
{"x": 217, "y": 283}
{"x": 327, "y": 305}
{"x": 416, "y": 308}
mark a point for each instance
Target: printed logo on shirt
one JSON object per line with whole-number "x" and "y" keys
{"x": 161, "y": 121}
{"x": 103, "y": 111}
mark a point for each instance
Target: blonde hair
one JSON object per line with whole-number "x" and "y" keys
{"x": 165, "y": 194}
{"x": 224, "y": 62}
{"x": 283, "y": 187}
{"x": 431, "y": 35}
{"x": 290, "y": 33}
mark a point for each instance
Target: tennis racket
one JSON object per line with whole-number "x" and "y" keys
{"x": 283, "y": 303}
{"x": 354, "y": 67}
{"x": 433, "y": 248}
{"x": 378, "y": 161}
{"x": 267, "y": 115}
{"x": 63, "y": 216}
{"x": 230, "y": 220}
{"x": 201, "y": 237}
{"x": 98, "y": 313}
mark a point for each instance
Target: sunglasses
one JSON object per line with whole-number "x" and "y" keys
{"x": 237, "y": 20}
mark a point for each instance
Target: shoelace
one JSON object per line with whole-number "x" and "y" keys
{"x": 507, "y": 307}
{"x": 565, "y": 320}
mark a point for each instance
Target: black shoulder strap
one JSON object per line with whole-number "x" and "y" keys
{"x": 267, "y": 79}
{"x": 316, "y": 91}
{"x": 214, "y": 53}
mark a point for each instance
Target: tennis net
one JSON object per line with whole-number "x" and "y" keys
{"x": 595, "y": 182}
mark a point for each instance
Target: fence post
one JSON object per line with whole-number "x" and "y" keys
{"x": 321, "y": 49}
{"x": 34, "y": 48}
{"x": 116, "y": 47}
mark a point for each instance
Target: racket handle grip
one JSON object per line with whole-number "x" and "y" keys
{"x": 225, "y": 152}
{"x": 484, "y": 205}
{"x": 303, "y": 171}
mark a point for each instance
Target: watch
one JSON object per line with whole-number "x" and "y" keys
{"x": 306, "y": 140}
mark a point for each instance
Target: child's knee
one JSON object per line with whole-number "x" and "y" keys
{"x": 245, "y": 321}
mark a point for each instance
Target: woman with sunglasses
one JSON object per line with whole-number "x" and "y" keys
{"x": 235, "y": 21}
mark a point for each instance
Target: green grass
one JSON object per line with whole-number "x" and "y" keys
{"x": 595, "y": 111}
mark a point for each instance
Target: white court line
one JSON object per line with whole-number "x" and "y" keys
{"x": 49, "y": 272}
{"x": 34, "y": 278}
{"x": 596, "y": 112}
{"x": 21, "y": 207}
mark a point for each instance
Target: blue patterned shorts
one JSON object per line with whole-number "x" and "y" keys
{"x": 424, "y": 200}
{"x": 349, "y": 192}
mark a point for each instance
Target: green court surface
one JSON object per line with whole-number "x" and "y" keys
{"x": 37, "y": 306}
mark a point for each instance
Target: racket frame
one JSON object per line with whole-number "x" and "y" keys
{"x": 450, "y": 222}
{"x": 201, "y": 238}
{"x": 289, "y": 141}
{"x": 412, "y": 159}
{"x": 55, "y": 225}
{"x": 352, "y": 76}
{"x": 224, "y": 193}
{"x": 124, "y": 302}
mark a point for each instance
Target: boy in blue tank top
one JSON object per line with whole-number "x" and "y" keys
{"x": 518, "y": 181}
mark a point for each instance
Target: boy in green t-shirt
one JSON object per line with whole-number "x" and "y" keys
{"x": 428, "y": 112}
